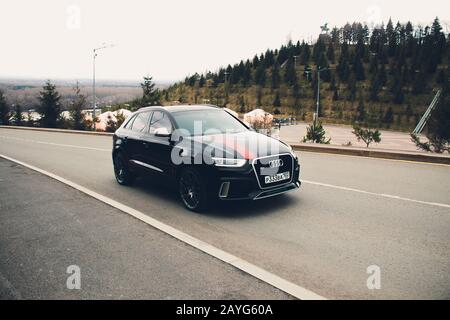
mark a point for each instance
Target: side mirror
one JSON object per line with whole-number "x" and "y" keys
{"x": 162, "y": 132}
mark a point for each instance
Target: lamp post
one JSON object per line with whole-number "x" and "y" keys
{"x": 93, "y": 79}
{"x": 319, "y": 70}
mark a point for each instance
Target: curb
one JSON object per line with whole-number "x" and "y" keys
{"x": 95, "y": 133}
{"x": 350, "y": 151}
{"x": 394, "y": 155}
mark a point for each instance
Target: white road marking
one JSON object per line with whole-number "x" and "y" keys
{"x": 374, "y": 158}
{"x": 437, "y": 204}
{"x": 266, "y": 276}
{"x": 56, "y": 144}
{"x": 304, "y": 181}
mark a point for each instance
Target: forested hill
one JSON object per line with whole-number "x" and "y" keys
{"x": 387, "y": 75}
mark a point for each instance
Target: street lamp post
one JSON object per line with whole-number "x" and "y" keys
{"x": 94, "y": 105}
{"x": 316, "y": 115}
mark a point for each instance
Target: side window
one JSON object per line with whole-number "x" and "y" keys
{"x": 130, "y": 122}
{"x": 141, "y": 121}
{"x": 160, "y": 120}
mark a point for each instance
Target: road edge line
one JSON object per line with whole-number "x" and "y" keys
{"x": 384, "y": 195}
{"x": 241, "y": 264}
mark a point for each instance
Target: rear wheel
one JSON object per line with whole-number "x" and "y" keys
{"x": 192, "y": 190}
{"x": 121, "y": 170}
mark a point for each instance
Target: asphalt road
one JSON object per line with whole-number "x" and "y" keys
{"x": 350, "y": 213}
{"x": 46, "y": 227}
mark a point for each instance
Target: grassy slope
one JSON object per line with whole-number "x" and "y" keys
{"x": 341, "y": 111}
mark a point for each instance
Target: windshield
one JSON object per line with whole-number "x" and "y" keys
{"x": 205, "y": 122}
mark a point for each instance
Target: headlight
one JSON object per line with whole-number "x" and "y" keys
{"x": 291, "y": 151}
{"x": 228, "y": 162}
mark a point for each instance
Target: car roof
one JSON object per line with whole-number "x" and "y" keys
{"x": 179, "y": 108}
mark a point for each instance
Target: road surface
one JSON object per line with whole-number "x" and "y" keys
{"x": 46, "y": 227}
{"x": 350, "y": 213}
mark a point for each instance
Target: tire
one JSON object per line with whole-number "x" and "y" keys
{"x": 122, "y": 171}
{"x": 192, "y": 190}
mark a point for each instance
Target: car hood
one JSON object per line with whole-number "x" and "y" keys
{"x": 246, "y": 145}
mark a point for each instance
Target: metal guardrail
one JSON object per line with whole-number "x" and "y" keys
{"x": 427, "y": 114}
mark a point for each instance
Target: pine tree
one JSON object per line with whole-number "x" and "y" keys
{"x": 352, "y": 87}
{"x": 382, "y": 77}
{"x": 306, "y": 54}
{"x": 419, "y": 83}
{"x": 76, "y": 109}
{"x": 389, "y": 116}
{"x": 330, "y": 53}
{"x": 260, "y": 75}
{"x": 361, "y": 111}
{"x": 236, "y": 73}
{"x": 247, "y": 74}
{"x": 332, "y": 86}
{"x": 373, "y": 66}
{"x": 398, "y": 94}
{"x": 358, "y": 69}
{"x": 276, "y": 101}
{"x": 201, "y": 81}
{"x": 391, "y": 38}
{"x": 151, "y": 95}
{"x": 49, "y": 107}
{"x": 290, "y": 75}
{"x": 318, "y": 49}
{"x": 255, "y": 61}
{"x": 316, "y": 133}
{"x": 335, "y": 36}
{"x": 343, "y": 69}
{"x": 17, "y": 117}
{"x": 375, "y": 87}
{"x": 258, "y": 96}
{"x": 336, "y": 95}
{"x": 275, "y": 76}
{"x": 4, "y": 109}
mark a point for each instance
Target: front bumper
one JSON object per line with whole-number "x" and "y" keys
{"x": 244, "y": 185}
{"x": 278, "y": 190}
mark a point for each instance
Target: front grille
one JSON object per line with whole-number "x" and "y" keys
{"x": 262, "y": 168}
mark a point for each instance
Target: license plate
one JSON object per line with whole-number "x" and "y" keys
{"x": 278, "y": 177}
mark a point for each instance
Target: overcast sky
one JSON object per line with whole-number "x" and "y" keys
{"x": 170, "y": 39}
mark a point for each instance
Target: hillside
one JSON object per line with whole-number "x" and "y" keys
{"x": 386, "y": 76}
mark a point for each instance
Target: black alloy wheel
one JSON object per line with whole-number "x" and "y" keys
{"x": 192, "y": 190}
{"x": 121, "y": 170}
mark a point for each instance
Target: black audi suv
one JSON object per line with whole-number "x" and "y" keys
{"x": 206, "y": 152}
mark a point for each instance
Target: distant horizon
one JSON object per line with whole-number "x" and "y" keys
{"x": 83, "y": 81}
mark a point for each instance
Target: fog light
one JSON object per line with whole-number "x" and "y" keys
{"x": 224, "y": 188}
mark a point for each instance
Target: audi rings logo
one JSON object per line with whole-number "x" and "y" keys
{"x": 275, "y": 163}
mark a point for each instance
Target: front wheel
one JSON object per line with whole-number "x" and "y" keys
{"x": 121, "y": 170}
{"x": 192, "y": 190}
